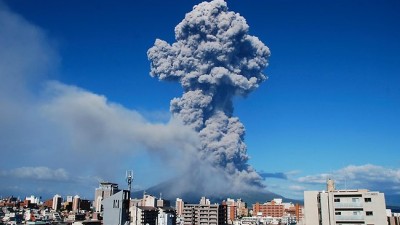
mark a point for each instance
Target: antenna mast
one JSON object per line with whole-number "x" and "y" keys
{"x": 129, "y": 179}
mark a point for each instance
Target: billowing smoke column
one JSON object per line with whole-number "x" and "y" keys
{"x": 214, "y": 58}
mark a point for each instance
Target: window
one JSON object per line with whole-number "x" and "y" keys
{"x": 369, "y": 213}
{"x": 355, "y": 199}
{"x": 337, "y": 200}
{"x": 367, "y": 199}
{"x": 116, "y": 204}
{"x": 338, "y": 213}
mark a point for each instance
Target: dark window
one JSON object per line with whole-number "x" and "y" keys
{"x": 337, "y": 200}
{"x": 369, "y": 213}
{"x": 116, "y": 204}
{"x": 347, "y": 196}
{"x": 367, "y": 200}
{"x": 338, "y": 213}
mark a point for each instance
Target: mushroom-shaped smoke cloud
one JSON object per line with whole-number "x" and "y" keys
{"x": 214, "y": 58}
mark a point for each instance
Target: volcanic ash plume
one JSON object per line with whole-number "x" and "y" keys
{"x": 214, "y": 58}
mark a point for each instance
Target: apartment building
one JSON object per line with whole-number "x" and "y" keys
{"x": 274, "y": 208}
{"x": 56, "y": 202}
{"x": 179, "y": 206}
{"x": 105, "y": 189}
{"x": 393, "y": 218}
{"x": 204, "y": 213}
{"x": 241, "y": 208}
{"x": 116, "y": 208}
{"x": 151, "y": 211}
{"x": 339, "y": 207}
{"x": 231, "y": 210}
{"x": 76, "y": 203}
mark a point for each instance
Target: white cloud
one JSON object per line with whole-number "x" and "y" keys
{"x": 367, "y": 176}
{"x": 37, "y": 173}
{"x": 319, "y": 179}
{"x": 296, "y": 188}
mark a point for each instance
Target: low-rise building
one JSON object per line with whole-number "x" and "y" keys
{"x": 274, "y": 208}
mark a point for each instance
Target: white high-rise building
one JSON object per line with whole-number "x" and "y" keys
{"x": 337, "y": 207}
{"x": 56, "y": 202}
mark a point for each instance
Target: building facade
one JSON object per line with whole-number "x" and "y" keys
{"x": 179, "y": 207}
{"x": 143, "y": 215}
{"x": 231, "y": 210}
{"x": 204, "y": 213}
{"x": 76, "y": 203}
{"x": 151, "y": 211}
{"x": 393, "y": 218}
{"x": 166, "y": 216}
{"x": 274, "y": 208}
{"x": 337, "y": 207}
{"x": 105, "y": 189}
{"x": 116, "y": 208}
{"x": 241, "y": 208}
{"x": 57, "y": 200}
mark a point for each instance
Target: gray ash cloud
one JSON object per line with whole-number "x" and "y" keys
{"x": 214, "y": 58}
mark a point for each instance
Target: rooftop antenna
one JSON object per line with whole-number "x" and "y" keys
{"x": 129, "y": 179}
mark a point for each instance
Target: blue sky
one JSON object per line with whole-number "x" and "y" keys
{"x": 329, "y": 108}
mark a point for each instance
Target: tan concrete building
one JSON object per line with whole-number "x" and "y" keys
{"x": 204, "y": 213}
{"x": 336, "y": 207}
{"x": 179, "y": 206}
{"x": 393, "y": 218}
{"x": 105, "y": 189}
{"x": 76, "y": 202}
{"x": 241, "y": 208}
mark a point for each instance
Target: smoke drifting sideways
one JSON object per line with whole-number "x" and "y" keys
{"x": 214, "y": 58}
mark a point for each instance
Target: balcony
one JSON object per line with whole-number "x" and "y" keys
{"x": 349, "y": 218}
{"x": 348, "y": 205}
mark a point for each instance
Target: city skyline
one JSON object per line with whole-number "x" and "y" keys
{"x": 77, "y": 104}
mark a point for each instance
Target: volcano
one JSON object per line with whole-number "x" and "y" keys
{"x": 167, "y": 189}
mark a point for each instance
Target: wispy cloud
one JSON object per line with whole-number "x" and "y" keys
{"x": 367, "y": 176}
{"x": 278, "y": 175}
{"x": 37, "y": 173}
{"x": 297, "y": 188}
